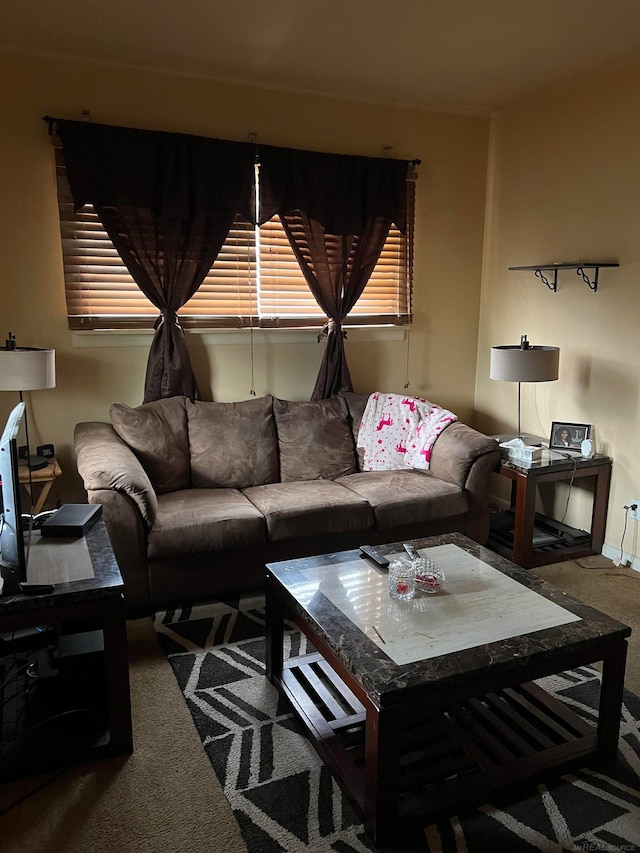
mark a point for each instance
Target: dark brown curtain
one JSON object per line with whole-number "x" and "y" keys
{"x": 336, "y": 267}
{"x": 336, "y": 211}
{"x": 167, "y": 201}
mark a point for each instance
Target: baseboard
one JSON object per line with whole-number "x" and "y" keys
{"x": 614, "y": 554}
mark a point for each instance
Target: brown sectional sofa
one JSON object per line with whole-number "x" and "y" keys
{"x": 197, "y": 496}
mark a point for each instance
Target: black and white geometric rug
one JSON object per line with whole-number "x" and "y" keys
{"x": 285, "y": 799}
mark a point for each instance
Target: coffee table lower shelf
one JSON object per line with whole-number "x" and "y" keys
{"x": 457, "y": 753}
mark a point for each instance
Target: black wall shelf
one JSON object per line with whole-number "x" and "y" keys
{"x": 578, "y": 266}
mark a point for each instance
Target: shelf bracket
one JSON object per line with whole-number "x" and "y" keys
{"x": 540, "y": 269}
{"x": 591, "y": 285}
{"x": 539, "y": 274}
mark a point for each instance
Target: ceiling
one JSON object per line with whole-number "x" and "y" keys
{"x": 470, "y": 55}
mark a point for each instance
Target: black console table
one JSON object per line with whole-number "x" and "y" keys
{"x": 64, "y": 673}
{"x": 518, "y": 540}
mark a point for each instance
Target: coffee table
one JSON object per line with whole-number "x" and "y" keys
{"x": 420, "y": 706}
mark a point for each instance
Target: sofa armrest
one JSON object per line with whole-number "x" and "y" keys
{"x": 114, "y": 477}
{"x": 105, "y": 462}
{"x": 128, "y": 537}
{"x": 456, "y": 449}
{"x": 465, "y": 457}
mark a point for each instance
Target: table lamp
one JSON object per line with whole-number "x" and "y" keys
{"x": 524, "y": 363}
{"x": 27, "y": 369}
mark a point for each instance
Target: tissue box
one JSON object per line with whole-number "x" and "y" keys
{"x": 518, "y": 451}
{"x": 525, "y": 454}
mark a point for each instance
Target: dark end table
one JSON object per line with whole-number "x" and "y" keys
{"x": 525, "y": 478}
{"x": 74, "y": 701}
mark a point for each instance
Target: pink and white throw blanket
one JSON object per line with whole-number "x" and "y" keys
{"x": 399, "y": 431}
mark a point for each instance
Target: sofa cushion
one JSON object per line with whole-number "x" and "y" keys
{"x": 157, "y": 434}
{"x": 232, "y": 444}
{"x": 314, "y": 440}
{"x": 356, "y": 404}
{"x": 406, "y": 497}
{"x": 198, "y": 520}
{"x": 309, "y": 508}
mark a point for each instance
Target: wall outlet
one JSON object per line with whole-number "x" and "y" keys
{"x": 634, "y": 514}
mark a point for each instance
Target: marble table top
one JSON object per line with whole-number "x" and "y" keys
{"x": 490, "y": 616}
{"x": 82, "y": 569}
{"x": 478, "y": 604}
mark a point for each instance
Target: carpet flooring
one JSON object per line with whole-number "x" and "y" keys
{"x": 284, "y": 798}
{"x": 166, "y": 796}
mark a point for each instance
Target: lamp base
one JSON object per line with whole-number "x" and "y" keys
{"x": 35, "y": 463}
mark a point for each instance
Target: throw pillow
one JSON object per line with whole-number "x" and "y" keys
{"x": 232, "y": 445}
{"x": 314, "y": 439}
{"x": 157, "y": 434}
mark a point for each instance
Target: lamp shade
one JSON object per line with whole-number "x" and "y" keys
{"x": 27, "y": 369}
{"x": 514, "y": 364}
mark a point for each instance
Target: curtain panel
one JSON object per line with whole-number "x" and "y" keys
{"x": 337, "y": 268}
{"x": 167, "y": 202}
{"x": 340, "y": 191}
{"x": 171, "y": 174}
{"x": 336, "y": 211}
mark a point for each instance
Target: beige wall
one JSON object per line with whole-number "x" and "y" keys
{"x": 93, "y": 373}
{"x": 564, "y": 184}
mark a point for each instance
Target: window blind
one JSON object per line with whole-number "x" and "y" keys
{"x": 255, "y": 281}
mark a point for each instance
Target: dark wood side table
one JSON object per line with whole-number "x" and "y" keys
{"x": 86, "y": 616}
{"x": 525, "y": 479}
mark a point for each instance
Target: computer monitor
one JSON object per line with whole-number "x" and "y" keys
{"x": 13, "y": 550}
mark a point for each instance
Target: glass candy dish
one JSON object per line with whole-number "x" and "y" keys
{"x": 402, "y": 579}
{"x": 429, "y": 576}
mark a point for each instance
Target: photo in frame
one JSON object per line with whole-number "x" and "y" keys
{"x": 565, "y": 435}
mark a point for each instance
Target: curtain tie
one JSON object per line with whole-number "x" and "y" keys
{"x": 167, "y": 316}
{"x": 324, "y": 331}
{"x": 329, "y": 328}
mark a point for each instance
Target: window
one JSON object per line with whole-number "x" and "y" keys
{"x": 255, "y": 281}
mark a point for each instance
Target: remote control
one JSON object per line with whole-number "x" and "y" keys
{"x": 376, "y": 556}
{"x": 411, "y": 551}
{"x": 36, "y": 588}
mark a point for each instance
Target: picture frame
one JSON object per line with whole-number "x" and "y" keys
{"x": 566, "y": 435}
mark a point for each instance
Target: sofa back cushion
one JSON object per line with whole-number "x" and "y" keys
{"x": 157, "y": 434}
{"x": 314, "y": 439}
{"x": 232, "y": 445}
{"x": 356, "y": 404}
